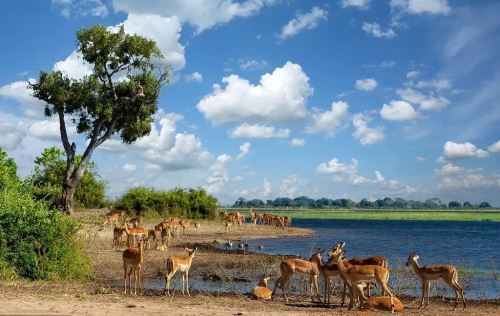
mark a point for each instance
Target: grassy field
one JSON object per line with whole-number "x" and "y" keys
{"x": 424, "y": 215}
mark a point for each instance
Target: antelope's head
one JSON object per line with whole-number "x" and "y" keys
{"x": 337, "y": 250}
{"x": 413, "y": 257}
{"x": 191, "y": 252}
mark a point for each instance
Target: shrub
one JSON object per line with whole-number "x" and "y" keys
{"x": 192, "y": 203}
{"x": 36, "y": 242}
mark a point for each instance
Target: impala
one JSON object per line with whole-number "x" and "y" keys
{"x": 186, "y": 226}
{"x": 113, "y": 216}
{"x": 183, "y": 264}
{"x": 312, "y": 267}
{"x": 136, "y": 221}
{"x": 428, "y": 273}
{"x": 262, "y": 291}
{"x": 355, "y": 274}
{"x": 134, "y": 232}
{"x": 133, "y": 259}
{"x": 117, "y": 235}
{"x": 197, "y": 226}
{"x": 380, "y": 303}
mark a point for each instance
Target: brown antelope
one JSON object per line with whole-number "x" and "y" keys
{"x": 312, "y": 267}
{"x": 134, "y": 232}
{"x": 355, "y": 274}
{"x": 287, "y": 221}
{"x": 429, "y": 273}
{"x": 135, "y": 221}
{"x": 197, "y": 226}
{"x": 133, "y": 259}
{"x": 113, "y": 216}
{"x": 186, "y": 226}
{"x": 379, "y": 303}
{"x": 117, "y": 235}
{"x": 262, "y": 291}
{"x": 175, "y": 263}
{"x": 330, "y": 269}
{"x": 154, "y": 234}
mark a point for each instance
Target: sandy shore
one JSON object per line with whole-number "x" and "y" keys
{"x": 104, "y": 294}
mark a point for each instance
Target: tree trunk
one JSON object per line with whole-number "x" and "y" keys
{"x": 67, "y": 198}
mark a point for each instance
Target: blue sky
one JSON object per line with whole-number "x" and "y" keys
{"x": 344, "y": 98}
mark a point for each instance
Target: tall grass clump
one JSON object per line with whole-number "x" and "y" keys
{"x": 36, "y": 242}
{"x": 192, "y": 203}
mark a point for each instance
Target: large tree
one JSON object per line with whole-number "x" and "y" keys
{"x": 120, "y": 96}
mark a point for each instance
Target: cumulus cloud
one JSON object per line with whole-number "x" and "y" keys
{"x": 218, "y": 174}
{"x": 279, "y": 97}
{"x": 74, "y": 66}
{"x": 13, "y": 132}
{"x": 440, "y": 84}
{"x": 252, "y": 64}
{"x": 366, "y": 135}
{"x": 129, "y": 167}
{"x": 420, "y": 159}
{"x": 448, "y": 168}
{"x": 360, "y": 4}
{"x": 374, "y": 29}
{"x": 303, "y": 21}
{"x": 246, "y": 130}
{"x": 495, "y": 148}
{"x": 412, "y": 74}
{"x": 421, "y": 6}
{"x": 425, "y": 102}
{"x": 194, "y": 77}
{"x": 329, "y": 121}
{"x": 434, "y": 103}
{"x": 454, "y": 150}
{"x": 398, "y": 111}
{"x": 455, "y": 178}
{"x": 244, "y": 150}
{"x": 49, "y": 130}
{"x": 367, "y": 84}
{"x": 297, "y": 142}
{"x": 289, "y": 187}
{"x": 165, "y": 146}
{"x": 70, "y": 8}
{"x": 267, "y": 188}
{"x": 20, "y": 92}
{"x": 201, "y": 14}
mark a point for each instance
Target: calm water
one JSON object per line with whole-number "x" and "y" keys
{"x": 472, "y": 246}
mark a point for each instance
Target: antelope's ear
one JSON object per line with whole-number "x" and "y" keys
{"x": 342, "y": 244}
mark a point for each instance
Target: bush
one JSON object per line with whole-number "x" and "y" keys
{"x": 192, "y": 203}
{"x": 36, "y": 242}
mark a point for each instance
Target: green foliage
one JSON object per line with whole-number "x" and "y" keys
{"x": 35, "y": 241}
{"x": 192, "y": 203}
{"x": 48, "y": 176}
{"x": 8, "y": 169}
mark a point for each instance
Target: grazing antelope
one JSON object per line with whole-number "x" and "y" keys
{"x": 186, "y": 226}
{"x": 262, "y": 291}
{"x": 113, "y": 216}
{"x": 312, "y": 267}
{"x": 133, "y": 260}
{"x": 134, "y": 232}
{"x": 117, "y": 235}
{"x": 183, "y": 264}
{"x": 428, "y": 273}
{"x": 380, "y": 303}
{"x": 197, "y": 226}
{"x": 355, "y": 274}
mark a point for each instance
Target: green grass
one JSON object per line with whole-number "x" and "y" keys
{"x": 424, "y": 215}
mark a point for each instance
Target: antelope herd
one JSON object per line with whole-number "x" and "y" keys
{"x": 357, "y": 274}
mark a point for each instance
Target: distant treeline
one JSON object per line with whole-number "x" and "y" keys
{"x": 386, "y": 203}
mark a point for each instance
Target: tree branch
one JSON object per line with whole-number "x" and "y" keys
{"x": 64, "y": 134}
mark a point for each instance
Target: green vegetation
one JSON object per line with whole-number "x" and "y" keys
{"x": 48, "y": 176}
{"x": 36, "y": 242}
{"x": 102, "y": 104}
{"x": 423, "y": 215}
{"x": 192, "y": 203}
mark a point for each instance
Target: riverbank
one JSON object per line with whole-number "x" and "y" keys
{"x": 410, "y": 215}
{"x": 216, "y": 278}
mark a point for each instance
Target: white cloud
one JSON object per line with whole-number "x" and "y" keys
{"x": 360, "y": 4}
{"x": 448, "y": 168}
{"x": 194, "y": 77}
{"x": 20, "y": 92}
{"x": 252, "y": 64}
{"x": 267, "y": 188}
{"x": 329, "y": 121}
{"x": 303, "y": 21}
{"x": 246, "y": 130}
{"x": 238, "y": 178}
{"x": 454, "y": 150}
{"x": 280, "y": 97}
{"x": 398, "y": 111}
{"x": 74, "y": 66}
{"x": 244, "y": 150}
{"x": 434, "y": 103}
{"x": 340, "y": 170}
{"x": 376, "y": 30}
{"x": 365, "y": 134}
{"x": 367, "y": 84}
{"x": 289, "y": 187}
{"x": 49, "y": 130}
{"x": 201, "y": 14}
{"x": 420, "y": 159}
{"x": 440, "y": 84}
{"x": 165, "y": 146}
{"x": 129, "y": 167}
{"x": 218, "y": 174}
{"x": 297, "y": 142}
{"x": 411, "y": 95}
{"x": 412, "y": 74}
{"x": 456, "y": 178}
{"x": 82, "y": 8}
{"x": 13, "y": 132}
{"x": 495, "y": 148}
{"x": 421, "y": 6}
